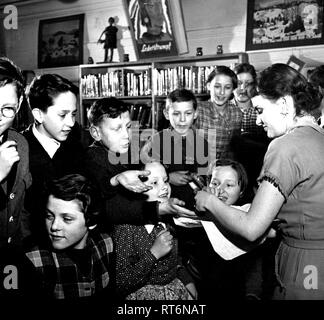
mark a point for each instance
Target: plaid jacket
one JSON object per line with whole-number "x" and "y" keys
{"x": 219, "y": 130}
{"x": 61, "y": 277}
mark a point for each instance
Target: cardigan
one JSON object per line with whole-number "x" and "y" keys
{"x": 66, "y": 160}
{"x": 136, "y": 266}
{"x": 14, "y": 219}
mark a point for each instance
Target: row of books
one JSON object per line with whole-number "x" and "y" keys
{"x": 142, "y": 113}
{"x": 123, "y": 82}
{"x": 193, "y": 78}
{"x": 102, "y": 85}
{"x": 127, "y": 82}
{"x": 135, "y": 82}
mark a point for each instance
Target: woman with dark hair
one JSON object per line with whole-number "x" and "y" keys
{"x": 291, "y": 184}
{"x": 219, "y": 117}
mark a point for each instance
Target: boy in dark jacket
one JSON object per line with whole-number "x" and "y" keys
{"x": 54, "y": 150}
{"x": 109, "y": 163}
{"x": 15, "y": 177}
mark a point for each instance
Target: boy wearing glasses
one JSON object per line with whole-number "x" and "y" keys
{"x": 15, "y": 177}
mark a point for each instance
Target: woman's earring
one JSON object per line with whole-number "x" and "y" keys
{"x": 284, "y": 109}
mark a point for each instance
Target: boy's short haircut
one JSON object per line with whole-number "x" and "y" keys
{"x": 76, "y": 187}
{"x": 237, "y": 166}
{"x": 45, "y": 88}
{"x": 11, "y": 73}
{"x": 106, "y": 107}
{"x": 181, "y": 95}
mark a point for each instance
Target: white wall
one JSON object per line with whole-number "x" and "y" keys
{"x": 212, "y": 22}
{"x": 21, "y": 44}
{"x": 207, "y": 23}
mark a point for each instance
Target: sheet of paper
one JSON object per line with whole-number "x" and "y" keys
{"x": 187, "y": 222}
{"x": 222, "y": 246}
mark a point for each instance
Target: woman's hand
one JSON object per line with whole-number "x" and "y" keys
{"x": 132, "y": 180}
{"x": 179, "y": 178}
{"x": 202, "y": 198}
{"x": 175, "y": 206}
{"x": 163, "y": 244}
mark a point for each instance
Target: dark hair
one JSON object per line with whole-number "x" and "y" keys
{"x": 111, "y": 19}
{"x": 316, "y": 77}
{"x": 246, "y": 68}
{"x": 182, "y": 95}
{"x": 225, "y": 71}
{"x": 11, "y": 74}
{"x": 76, "y": 187}
{"x": 280, "y": 80}
{"x": 237, "y": 166}
{"x": 45, "y": 88}
{"x": 106, "y": 107}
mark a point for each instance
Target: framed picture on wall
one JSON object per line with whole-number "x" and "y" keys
{"x": 284, "y": 23}
{"x": 152, "y": 27}
{"x": 60, "y": 42}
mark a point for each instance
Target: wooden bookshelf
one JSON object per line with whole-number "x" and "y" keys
{"x": 145, "y": 84}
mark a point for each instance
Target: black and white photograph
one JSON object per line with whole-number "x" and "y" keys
{"x": 161, "y": 159}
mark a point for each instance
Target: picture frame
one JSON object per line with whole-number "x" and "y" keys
{"x": 60, "y": 41}
{"x": 281, "y": 23}
{"x": 153, "y": 40}
{"x": 295, "y": 63}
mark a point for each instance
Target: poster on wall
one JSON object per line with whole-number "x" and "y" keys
{"x": 152, "y": 28}
{"x": 284, "y": 23}
{"x": 60, "y": 42}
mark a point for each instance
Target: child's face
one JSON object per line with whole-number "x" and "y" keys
{"x": 57, "y": 121}
{"x": 245, "y": 87}
{"x": 65, "y": 224}
{"x": 115, "y": 133}
{"x": 158, "y": 179}
{"x": 221, "y": 89}
{"x": 225, "y": 181}
{"x": 181, "y": 116}
{"x": 8, "y": 99}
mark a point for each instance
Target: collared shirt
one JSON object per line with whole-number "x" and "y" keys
{"x": 149, "y": 227}
{"x": 219, "y": 129}
{"x": 50, "y": 145}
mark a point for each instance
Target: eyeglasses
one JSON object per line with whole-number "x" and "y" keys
{"x": 8, "y": 112}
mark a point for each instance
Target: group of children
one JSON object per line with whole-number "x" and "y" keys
{"x": 97, "y": 221}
